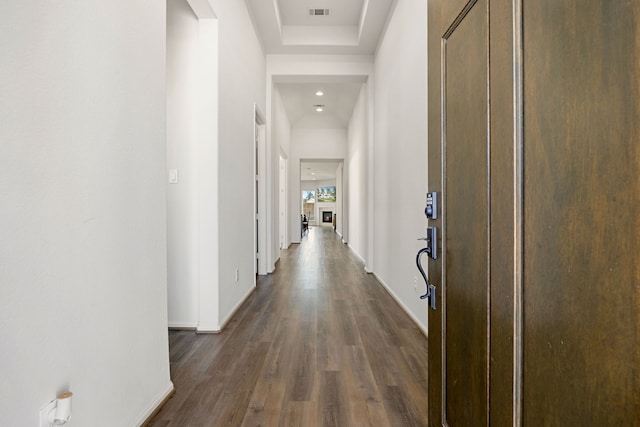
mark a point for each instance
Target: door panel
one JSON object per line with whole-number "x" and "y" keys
{"x": 561, "y": 279}
{"x": 465, "y": 282}
{"x": 463, "y": 367}
{"x": 582, "y": 216}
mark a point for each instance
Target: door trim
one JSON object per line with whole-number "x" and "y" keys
{"x": 518, "y": 209}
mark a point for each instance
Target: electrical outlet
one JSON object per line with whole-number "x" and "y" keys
{"x": 237, "y": 274}
{"x": 44, "y": 413}
{"x": 415, "y": 284}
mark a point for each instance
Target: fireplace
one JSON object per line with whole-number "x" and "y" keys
{"x": 327, "y": 216}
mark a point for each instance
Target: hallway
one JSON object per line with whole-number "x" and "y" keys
{"x": 319, "y": 343}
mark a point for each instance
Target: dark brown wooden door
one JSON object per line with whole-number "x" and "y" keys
{"x": 459, "y": 327}
{"x": 534, "y": 145}
{"x": 581, "y": 213}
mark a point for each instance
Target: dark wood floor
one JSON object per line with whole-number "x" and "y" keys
{"x": 319, "y": 343}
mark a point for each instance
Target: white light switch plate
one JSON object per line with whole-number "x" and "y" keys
{"x": 173, "y": 176}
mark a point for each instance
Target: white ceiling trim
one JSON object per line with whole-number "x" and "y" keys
{"x": 352, "y": 27}
{"x": 276, "y": 9}
{"x": 301, "y": 35}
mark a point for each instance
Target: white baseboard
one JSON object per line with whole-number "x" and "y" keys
{"x": 187, "y": 326}
{"x": 366, "y": 269}
{"x": 229, "y": 317}
{"x": 356, "y": 253}
{"x": 422, "y": 328}
{"x": 155, "y": 405}
{"x": 273, "y": 267}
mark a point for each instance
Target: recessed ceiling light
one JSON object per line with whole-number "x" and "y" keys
{"x": 313, "y": 173}
{"x": 319, "y": 93}
{"x": 319, "y": 109}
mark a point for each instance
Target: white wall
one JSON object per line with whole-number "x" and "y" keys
{"x": 357, "y": 160}
{"x": 82, "y": 187}
{"x": 400, "y": 153}
{"x": 182, "y": 198}
{"x": 314, "y": 185}
{"x": 308, "y": 143}
{"x": 242, "y": 83}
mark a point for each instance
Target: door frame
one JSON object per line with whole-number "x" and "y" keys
{"x": 283, "y": 197}
{"x": 260, "y": 192}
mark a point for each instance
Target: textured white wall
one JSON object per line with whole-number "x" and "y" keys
{"x": 400, "y": 153}
{"x": 82, "y": 188}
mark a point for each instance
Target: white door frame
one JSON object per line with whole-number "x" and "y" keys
{"x": 283, "y": 192}
{"x": 260, "y": 192}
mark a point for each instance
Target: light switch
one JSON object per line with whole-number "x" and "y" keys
{"x": 173, "y": 176}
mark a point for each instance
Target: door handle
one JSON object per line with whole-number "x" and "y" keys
{"x": 424, "y": 275}
{"x": 430, "y": 249}
{"x": 431, "y": 290}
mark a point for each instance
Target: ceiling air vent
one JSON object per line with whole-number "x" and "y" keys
{"x": 318, "y": 12}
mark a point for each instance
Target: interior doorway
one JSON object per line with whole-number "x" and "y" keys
{"x": 282, "y": 198}
{"x": 192, "y": 198}
{"x": 259, "y": 193}
{"x": 322, "y": 193}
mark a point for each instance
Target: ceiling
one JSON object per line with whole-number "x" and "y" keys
{"x": 295, "y": 27}
{"x": 337, "y": 102}
{"x": 351, "y": 26}
{"x": 318, "y": 170}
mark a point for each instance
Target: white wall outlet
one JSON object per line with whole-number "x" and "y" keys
{"x": 237, "y": 274}
{"x": 44, "y": 413}
{"x": 415, "y": 284}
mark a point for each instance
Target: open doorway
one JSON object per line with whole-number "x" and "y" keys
{"x": 192, "y": 198}
{"x": 282, "y": 199}
{"x": 322, "y": 193}
{"x": 259, "y": 194}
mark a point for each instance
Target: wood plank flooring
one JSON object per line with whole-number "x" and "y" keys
{"x": 319, "y": 343}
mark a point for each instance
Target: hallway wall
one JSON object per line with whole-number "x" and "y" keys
{"x": 83, "y": 243}
{"x": 241, "y": 83}
{"x": 400, "y": 153}
{"x": 358, "y": 188}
